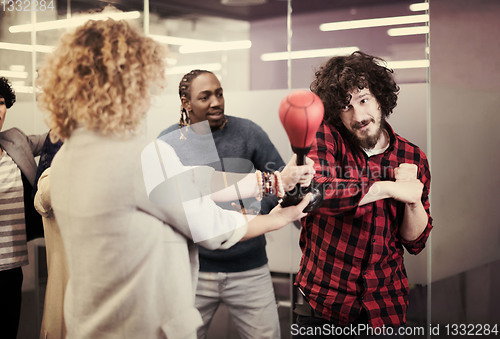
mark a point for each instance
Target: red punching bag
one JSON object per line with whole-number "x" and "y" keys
{"x": 301, "y": 113}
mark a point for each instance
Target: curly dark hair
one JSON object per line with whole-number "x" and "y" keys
{"x": 7, "y": 92}
{"x": 340, "y": 75}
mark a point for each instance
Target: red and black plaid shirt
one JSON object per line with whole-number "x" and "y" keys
{"x": 352, "y": 256}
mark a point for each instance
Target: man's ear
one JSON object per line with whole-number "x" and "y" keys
{"x": 186, "y": 104}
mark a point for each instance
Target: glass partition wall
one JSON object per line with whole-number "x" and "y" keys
{"x": 260, "y": 52}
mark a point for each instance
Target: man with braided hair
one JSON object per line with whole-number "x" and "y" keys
{"x": 376, "y": 202}
{"x": 19, "y": 221}
{"x": 239, "y": 277}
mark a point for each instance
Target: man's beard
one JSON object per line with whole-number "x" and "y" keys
{"x": 367, "y": 141}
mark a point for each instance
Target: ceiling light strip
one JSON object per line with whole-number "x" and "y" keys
{"x": 23, "y": 89}
{"x": 13, "y": 74}
{"x": 309, "y": 53}
{"x": 404, "y": 64}
{"x": 403, "y": 31}
{"x": 172, "y": 40}
{"x": 421, "y": 6}
{"x": 26, "y": 48}
{"x": 73, "y": 21}
{"x": 215, "y": 46}
{"x": 378, "y": 22}
{"x": 187, "y": 68}
{"x": 17, "y": 68}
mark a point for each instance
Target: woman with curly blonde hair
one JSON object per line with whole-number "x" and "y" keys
{"x": 100, "y": 77}
{"x": 132, "y": 262}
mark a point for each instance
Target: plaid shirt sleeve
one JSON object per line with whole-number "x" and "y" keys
{"x": 424, "y": 175}
{"x": 341, "y": 193}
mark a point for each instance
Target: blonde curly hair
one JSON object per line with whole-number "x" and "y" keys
{"x": 99, "y": 77}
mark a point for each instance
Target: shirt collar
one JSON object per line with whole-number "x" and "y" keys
{"x": 392, "y": 136}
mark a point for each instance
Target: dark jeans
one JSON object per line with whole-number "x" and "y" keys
{"x": 11, "y": 282}
{"x": 308, "y": 325}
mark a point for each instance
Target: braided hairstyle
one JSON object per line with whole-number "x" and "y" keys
{"x": 185, "y": 92}
{"x": 343, "y": 74}
{"x": 7, "y": 92}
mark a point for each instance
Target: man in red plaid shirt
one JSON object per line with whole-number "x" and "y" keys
{"x": 376, "y": 187}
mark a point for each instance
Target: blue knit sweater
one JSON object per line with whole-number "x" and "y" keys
{"x": 241, "y": 144}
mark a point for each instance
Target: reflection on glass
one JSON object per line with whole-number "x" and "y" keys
{"x": 241, "y": 45}
{"x": 203, "y": 42}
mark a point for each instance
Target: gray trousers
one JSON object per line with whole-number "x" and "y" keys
{"x": 249, "y": 297}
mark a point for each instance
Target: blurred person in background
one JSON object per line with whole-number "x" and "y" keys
{"x": 57, "y": 268}
{"x": 19, "y": 221}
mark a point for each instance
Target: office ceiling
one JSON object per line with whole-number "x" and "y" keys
{"x": 237, "y": 11}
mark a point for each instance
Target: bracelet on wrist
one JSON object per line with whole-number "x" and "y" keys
{"x": 260, "y": 184}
